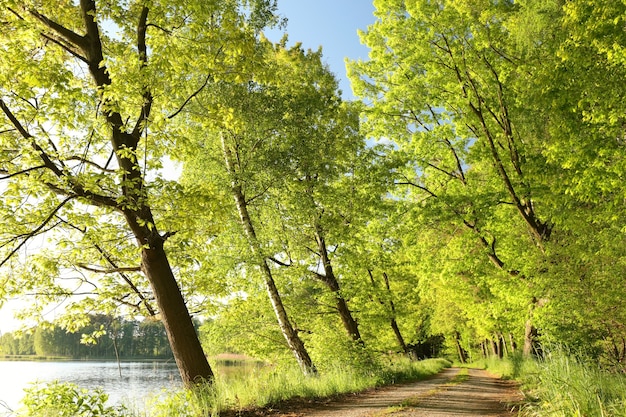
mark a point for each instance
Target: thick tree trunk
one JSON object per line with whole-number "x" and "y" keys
{"x": 329, "y": 278}
{"x": 181, "y": 333}
{"x": 290, "y": 334}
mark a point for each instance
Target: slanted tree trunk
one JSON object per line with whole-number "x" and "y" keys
{"x": 329, "y": 278}
{"x": 181, "y": 333}
{"x": 393, "y": 322}
{"x": 512, "y": 343}
{"x": 131, "y": 198}
{"x": 291, "y": 335}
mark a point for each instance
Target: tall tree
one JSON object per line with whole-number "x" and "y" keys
{"x": 498, "y": 111}
{"x": 88, "y": 90}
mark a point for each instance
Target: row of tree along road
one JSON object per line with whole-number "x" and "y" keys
{"x": 475, "y": 190}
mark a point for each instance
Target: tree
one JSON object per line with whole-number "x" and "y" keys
{"x": 281, "y": 144}
{"x": 88, "y": 91}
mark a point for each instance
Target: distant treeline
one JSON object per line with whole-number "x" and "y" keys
{"x": 115, "y": 337}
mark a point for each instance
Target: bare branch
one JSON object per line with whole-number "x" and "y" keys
{"x": 25, "y": 171}
{"x": 67, "y": 34}
{"x": 195, "y": 93}
{"x": 412, "y": 184}
{"x": 67, "y": 48}
{"x": 281, "y": 263}
{"x": 26, "y": 237}
{"x": 88, "y": 162}
{"x": 109, "y": 271}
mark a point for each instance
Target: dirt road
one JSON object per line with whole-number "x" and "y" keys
{"x": 448, "y": 394}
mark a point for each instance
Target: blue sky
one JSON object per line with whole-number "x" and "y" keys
{"x": 333, "y": 24}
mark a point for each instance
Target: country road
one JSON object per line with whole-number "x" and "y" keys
{"x": 448, "y": 394}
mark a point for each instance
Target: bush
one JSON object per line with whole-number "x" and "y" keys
{"x": 66, "y": 400}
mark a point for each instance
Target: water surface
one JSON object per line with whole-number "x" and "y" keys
{"x": 138, "y": 381}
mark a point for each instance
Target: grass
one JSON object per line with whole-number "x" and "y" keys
{"x": 563, "y": 385}
{"x": 263, "y": 387}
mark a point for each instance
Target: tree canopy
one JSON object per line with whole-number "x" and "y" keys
{"x": 472, "y": 193}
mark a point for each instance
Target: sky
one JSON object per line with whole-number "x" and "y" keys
{"x": 331, "y": 24}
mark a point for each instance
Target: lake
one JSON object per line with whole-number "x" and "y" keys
{"x": 139, "y": 380}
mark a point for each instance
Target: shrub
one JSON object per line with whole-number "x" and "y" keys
{"x": 58, "y": 399}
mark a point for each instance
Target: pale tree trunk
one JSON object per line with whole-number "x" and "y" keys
{"x": 461, "y": 352}
{"x": 291, "y": 335}
{"x": 512, "y": 343}
{"x": 529, "y": 338}
{"x": 329, "y": 278}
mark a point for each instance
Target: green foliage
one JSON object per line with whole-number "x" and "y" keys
{"x": 574, "y": 385}
{"x": 21, "y": 343}
{"x": 66, "y": 400}
{"x": 270, "y": 387}
{"x": 103, "y": 337}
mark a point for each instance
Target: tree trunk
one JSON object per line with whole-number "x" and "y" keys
{"x": 529, "y": 338}
{"x": 494, "y": 347}
{"x": 394, "y": 323}
{"x": 503, "y": 348}
{"x": 291, "y": 335}
{"x": 329, "y": 278}
{"x": 181, "y": 333}
{"x": 400, "y": 339}
{"x": 512, "y": 343}
{"x": 459, "y": 348}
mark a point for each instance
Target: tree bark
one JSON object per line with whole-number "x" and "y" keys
{"x": 290, "y": 334}
{"x": 529, "y": 338}
{"x": 459, "y": 348}
{"x": 512, "y": 343}
{"x": 181, "y": 333}
{"x": 88, "y": 48}
{"x": 329, "y": 278}
{"x": 393, "y": 322}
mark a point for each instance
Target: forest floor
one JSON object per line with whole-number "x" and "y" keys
{"x": 451, "y": 393}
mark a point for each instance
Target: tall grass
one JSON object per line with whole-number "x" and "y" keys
{"x": 270, "y": 387}
{"x": 569, "y": 385}
{"x": 563, "y": 384}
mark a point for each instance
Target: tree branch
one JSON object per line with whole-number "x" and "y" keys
{"x": 37, "y": 230}
{"x": 109, "y": 271}
{"x": 67, "y": 34}
{"x": 276, "y": 261}
{"x": 143, "y": 62}
{"x": 195, "y": 93}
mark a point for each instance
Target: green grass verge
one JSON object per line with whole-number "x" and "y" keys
{"x": 563, "y": 385}
{"x": 265, "y": 387}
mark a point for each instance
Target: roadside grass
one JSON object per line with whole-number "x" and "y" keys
{"x": 263, "y": 387}
{"x": 563, "y": 385}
